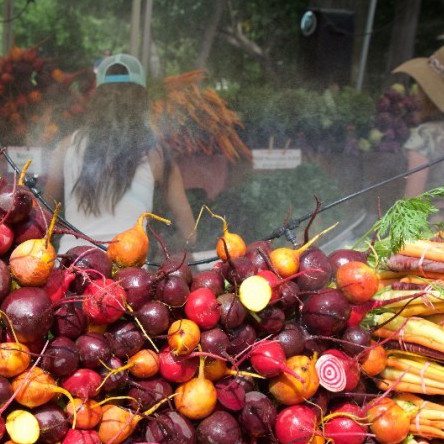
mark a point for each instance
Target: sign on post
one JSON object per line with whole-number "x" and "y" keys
{"x": 21, "y": 154}
{"x": 276, "y": 159}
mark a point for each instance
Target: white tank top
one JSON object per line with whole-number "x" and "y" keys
{"x": 137, "y": 199}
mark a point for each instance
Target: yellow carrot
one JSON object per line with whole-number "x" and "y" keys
{"x": 424, "y": 248}
{"x": 426, "y": 431}
{"x": 419, "y": 402}
{"x": 425, "y": 368}
{"x": 384, "y": 384}
{"x": 415, "y": 330}
{"x": 423, "y": 297}
{"x": 393, "y": 374}
{"x": 422, "y": 310}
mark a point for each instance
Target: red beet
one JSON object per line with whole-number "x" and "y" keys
{"x": 295, "y": 424}
{"x": 202, "y": 308}
{"x": 345, "y": 430}
{"x": 81, "y": 437}
{"x": 176, "y": 369}
{"x": 83, "y": 383}
{"x": 58, "y": 283}
{"x": 6, "y": 238}
{"x": 230, "y": 394}
{"x": 104, "y": 301}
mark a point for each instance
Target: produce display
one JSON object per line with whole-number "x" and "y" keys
{"x": 272, "y": 344}
{"x": 39, "y": 103}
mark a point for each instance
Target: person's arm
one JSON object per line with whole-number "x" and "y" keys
{"x": 416, "y": 183}
{"x": 177, "y": 201}
{"x": 53, "y": 190}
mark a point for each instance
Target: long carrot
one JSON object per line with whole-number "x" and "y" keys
{"x": 426, "y": 431}
{"x": 422, "y": 310}
{"x": 419, "y": 402}
{"x": 416, "y": 330}
{"x": 393, "y": 374}
{"x": 399, "y": 297}
{"x": 384, "y": 384}
{"x": 424, "y": 248}
{"x": 425, "y": 368}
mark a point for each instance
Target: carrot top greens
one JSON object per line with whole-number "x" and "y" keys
{"x": 407, "y": 220}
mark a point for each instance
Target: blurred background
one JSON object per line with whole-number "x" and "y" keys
{"x": 281, "y": 100}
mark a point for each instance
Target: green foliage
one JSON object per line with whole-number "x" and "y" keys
{"x": 406, "y": 220}
{"x": 264, "y": 201}
{"x": 73, "y": 33}
{"x": 319, "y": 118}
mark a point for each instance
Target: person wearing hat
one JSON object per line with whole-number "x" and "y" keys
{"x": 105, "y": 172}
{"x": 426, "y": 140}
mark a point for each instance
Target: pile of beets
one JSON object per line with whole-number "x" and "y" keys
{"x": 96, "y": 353}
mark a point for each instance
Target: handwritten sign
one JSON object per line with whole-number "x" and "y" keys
{"x": 21, "y": 154}
{"x": 276, "y": 159}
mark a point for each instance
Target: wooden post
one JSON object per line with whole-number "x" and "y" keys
{"x": 146, "y": 35}
{"x": 135, "y": 27}
{"x": 8, "y": 36}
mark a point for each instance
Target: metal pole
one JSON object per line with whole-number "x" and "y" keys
{"x": 7, "y": 26}
{"x": 135, "y": 27}
{"x": 146, "y": 42}
{"x": 366, "y": 43}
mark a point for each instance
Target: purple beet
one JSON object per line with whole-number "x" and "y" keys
{"x": 15, "y": 202}
{"x": 88, "y": 258}
{"x": 177, "y": 265}
{"x": 272, "y": 320}
{"x": 292, "y": 339}
{"x": 214, "y": 341}
{"x": 53, "y": 423}
{"x": 326, "y": 312}
{"x": 345, "y": 255}
{"x": 5, "y": 280}
{"x": 137, "y": 283}
{"x": 239, "y": 269}
{"x": 221, "y": 428}
{"x": 93, "y": 350}
{"x": 210, "y": 279}
{"x": 147, "y": 392}
{"x": 173, "y": 291}
{"x": 30, "y": 312}
{"x": 258, "y": 253}
{"x": 232, "y": 312}
{"x": 170, "y": 427}
{"x": 116, "y": 381}
{"x": 154, "y": 317}
{"x": 70, "y": 321}
{"x": 33, "y": 227}
{"x": 258, "y": 415}
{"x": 5, "y": 389}
{"x": 230, "y": 393}
{"x": 316, "y": 270}
{"x": 124, "y": 338}
{"x": 61, "y": 358}
{"x": 241, "y": 338}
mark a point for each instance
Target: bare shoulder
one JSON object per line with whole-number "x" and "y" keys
{"x": 156, "y": 160}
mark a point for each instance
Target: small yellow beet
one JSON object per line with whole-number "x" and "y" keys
{"x": 23, "y": 427}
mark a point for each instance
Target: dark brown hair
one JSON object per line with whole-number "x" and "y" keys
{"x": 118, "y": 139}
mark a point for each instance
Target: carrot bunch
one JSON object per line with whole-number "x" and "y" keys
{"x": 191, "y": 119}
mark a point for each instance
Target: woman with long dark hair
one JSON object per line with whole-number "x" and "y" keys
{"x": 106, "y": 171}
